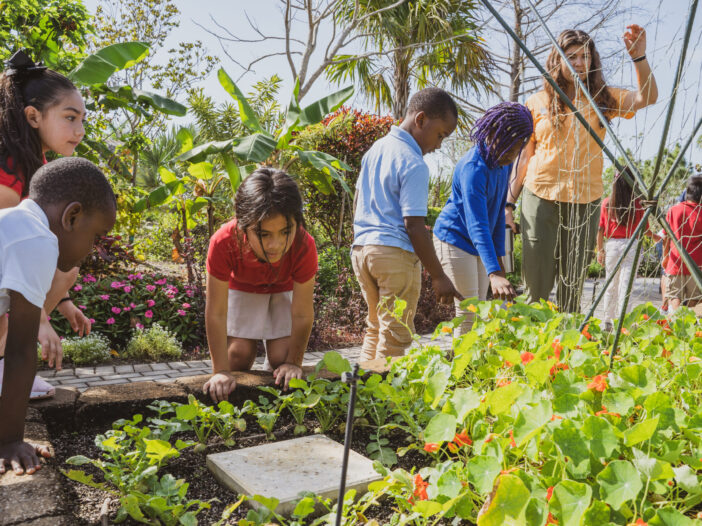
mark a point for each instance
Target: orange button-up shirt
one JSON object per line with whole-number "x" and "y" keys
{"x": 567, "y": 162}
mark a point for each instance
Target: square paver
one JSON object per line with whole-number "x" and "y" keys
{"x": 284, "y": 469}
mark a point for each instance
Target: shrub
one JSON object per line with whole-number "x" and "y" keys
{"x": 88, "y": 350}
{"x": 109, "y": 256}
{"x": 123, "y": 302}
{"x": 154, "y": 343}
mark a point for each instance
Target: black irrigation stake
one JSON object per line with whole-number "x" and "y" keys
{"x": 352, "y": 379}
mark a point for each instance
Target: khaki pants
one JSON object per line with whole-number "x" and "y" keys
{"x": 557, "y": 242}
{"x": 387, "y": 272}
{"x": 467, "y": 274}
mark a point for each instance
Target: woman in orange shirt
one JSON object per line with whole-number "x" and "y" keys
{"x": 561, "y": 166}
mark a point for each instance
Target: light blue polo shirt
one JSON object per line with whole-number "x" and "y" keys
{"x": 393, "y": 184}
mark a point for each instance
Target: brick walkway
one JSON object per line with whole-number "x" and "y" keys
{"x": 645, "y": 289}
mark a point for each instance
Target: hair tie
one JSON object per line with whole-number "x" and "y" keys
{"x": 21, "y": 63}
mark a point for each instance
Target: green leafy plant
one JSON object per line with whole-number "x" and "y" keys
{"x": 154, "y": 343}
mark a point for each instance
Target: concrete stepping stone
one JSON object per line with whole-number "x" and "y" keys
{"x": 284, "y": 469}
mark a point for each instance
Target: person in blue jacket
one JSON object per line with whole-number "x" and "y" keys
{"x": 469, "y": 234}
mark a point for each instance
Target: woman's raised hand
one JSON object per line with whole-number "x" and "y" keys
{"x": 635, "y": 40}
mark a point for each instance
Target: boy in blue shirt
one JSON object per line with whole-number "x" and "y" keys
{"x": 469, "y": 234}
{"x": 70, "y": 204}
{"x": 390, "y": 234}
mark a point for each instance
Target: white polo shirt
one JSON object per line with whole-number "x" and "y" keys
{"x": 28, "y": 254}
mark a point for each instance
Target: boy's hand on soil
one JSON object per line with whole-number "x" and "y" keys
{"x": 444, "y": 290}
{"x": 220, "y": 386}
{"x": 51, "y": 348}
{"x": 285, "y": 373}
{"x": 501, "y": 287}
{"x": 22, "y": 457}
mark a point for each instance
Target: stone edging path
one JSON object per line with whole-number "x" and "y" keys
{"x": 82, "y": 378}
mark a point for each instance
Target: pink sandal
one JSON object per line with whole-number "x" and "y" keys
{"x": 41, "y": 389}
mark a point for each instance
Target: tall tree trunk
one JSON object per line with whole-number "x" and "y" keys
{"x": 400, "y": 83}
{"x": 515, "y": 74}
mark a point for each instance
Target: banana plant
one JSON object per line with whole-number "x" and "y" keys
{"x": 277, "y": 148}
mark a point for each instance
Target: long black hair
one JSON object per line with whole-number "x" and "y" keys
{"x": 265, "y": 193}
{"x": 622, "y": 202}
{"x": 23, "y": 84}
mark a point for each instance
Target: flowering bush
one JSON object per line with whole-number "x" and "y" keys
{"x": 87, "y": 350}
{"x": 123, "y": 302}
{"x": 154, "y": 343}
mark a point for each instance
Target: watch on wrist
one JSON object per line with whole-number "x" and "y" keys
{"x": 513, "y": 206}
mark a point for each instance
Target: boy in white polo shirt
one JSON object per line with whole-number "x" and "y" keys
{"x": 390, "y": 234}
{"x": 70, "y": 204}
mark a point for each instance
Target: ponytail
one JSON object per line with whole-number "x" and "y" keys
{"x": 23, "y": 84}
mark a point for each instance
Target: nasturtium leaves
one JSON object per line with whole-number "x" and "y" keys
{"x": 530, "y": 419}
{"x": 570, "y": 500}
{"x": 618, "y": 402}
{"x": 687, "y": 479}
{"x": 601, "y": 435}
{"x": 641, "y": 431}
{"x": 570, "y": 441}
{"x": 652, "y": 467}
{"x": 482, "y": 470}
{"x": 435, "y": 388}
{"x": 508, "y": 504}
{"x": 538, "y": 371}
{"x": 463, "y": 401}
{"x": 501, "y": 399}
{"x": 427, "y": 508}
{"x": 441, "y": 428}
{"x": 670, "y": 517}
{"x": 619, "y": 482}
{"x": 597, "y": 514}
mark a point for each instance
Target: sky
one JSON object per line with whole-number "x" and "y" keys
{"x": 664, "y": 23}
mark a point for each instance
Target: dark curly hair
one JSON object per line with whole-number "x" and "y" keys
{"x": 500, "y": 128}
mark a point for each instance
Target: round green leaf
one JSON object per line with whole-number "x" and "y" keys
{"x": 570, "y": 501}
{"x": 441, "y": 428}
{"x": 508, "y": 504}
{"x": 619, "y": 483}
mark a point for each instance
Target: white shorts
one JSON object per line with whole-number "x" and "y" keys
{"x": 259, "y": 316}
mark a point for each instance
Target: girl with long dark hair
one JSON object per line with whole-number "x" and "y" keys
{"x": 561, "y": 166}
{"x": 260, "y": 283}
{"x": 620, "y": 215}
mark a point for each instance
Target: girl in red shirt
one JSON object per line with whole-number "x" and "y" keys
{"x": 260, "y": 283}
{"x": 40, "y": 111}
{"x": 620, "y": 214}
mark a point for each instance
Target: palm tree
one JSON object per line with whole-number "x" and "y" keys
{"x": 162, "y": 150}
{"x": 421, "y": 43}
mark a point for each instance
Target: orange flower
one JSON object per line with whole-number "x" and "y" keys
{"x": 472, "y": 308}
{"x": 549, "y": 493}
{"x": 605, "y": 412}
{"x": 665, "y": 353}
{"x": 664, "y": 323}
{"x": 420, "y": 487}
{"x": 646, "y": 317}
{"x": 502, "y": 382}
{"x": 599, "y": 383}
{"x": 508, "y": 364}
{"x": 556, "y": 417}
{"x": 430, "y": 447}
{"x": 557, "y": 348}
{"x": 516, "y": 318}
{"x": 605, "y": 352}
{"x": 446, "y": 328}
{"x": 698, "y": 334}
{"x": 453, "y": 448}
{"x": 585, "y": 333}
{"x": 490, "y": 437}
{"x": 559, "y": 365}
{"x": 694, "y": 359}
{"x": 551, "y": 519}
{"x": 527, "y": 357}
{"x": 462, "y": 438}
{"x": 507, "y": 471}
{"x": 625, "y": 332}
{"x": 639, "y": 522}
{"x": 511, "y": 439}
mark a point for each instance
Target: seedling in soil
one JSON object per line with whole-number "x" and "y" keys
{"x": 228, "y": 421}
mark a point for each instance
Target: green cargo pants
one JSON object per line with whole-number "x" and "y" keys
{"x": 557, "y": 242}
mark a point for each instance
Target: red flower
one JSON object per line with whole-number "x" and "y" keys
{"x": 549, "y": 493}
{"x": 599, "y": 383}
{"x": 508, "y": 364}
{"x": 557, "y": 348}
{"x": 462, "y": 439}
{"x": 665, "y": 353}
{"x": 420, "y": 487}
{"x": 430, "y": 447}
{"x": 639, "y": 522}
{"x": 551, "y": 519}
{"x": 527, "y": 357}
{"x": 502, "y": 382}
{"x": 646, "y": 317}
{"x": 585, "y": 333}
{"x": 511, "y": 439}
{"x": 559, "y": 365}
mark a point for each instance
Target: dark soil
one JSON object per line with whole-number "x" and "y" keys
{"x": 85, "y": 502}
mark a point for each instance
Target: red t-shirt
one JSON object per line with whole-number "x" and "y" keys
{"x": 14, "y": 181}
{"x": 685, "y": 220}
{"x": 230, "y": 260}
{"x": 610, "y": 226}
